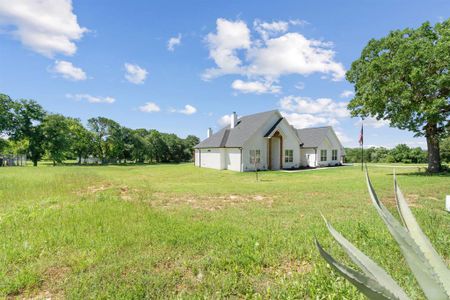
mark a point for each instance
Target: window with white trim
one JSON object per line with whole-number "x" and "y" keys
{"x": 255, "y": 156}
{"x": 334, "y": 154}
{"x": 288, "y": 155}
{"x": 323, "y": 155}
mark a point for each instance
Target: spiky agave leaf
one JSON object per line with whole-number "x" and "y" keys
{"x": 367, "y": 265}
{"x": 365, "y": 284}
{"x": 424, "y": 244}
{"x": 419, "y": 265}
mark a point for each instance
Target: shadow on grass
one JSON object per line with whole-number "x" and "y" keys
{"x": 118, "y": 165}
{"x": 425, "y": 173}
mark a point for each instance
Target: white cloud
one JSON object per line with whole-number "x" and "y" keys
{"x": 225, "y": 120}
{"x": 91, "y": 99}
{"x": 304, "y": 112}
{"x": 343, "y": 138}
{"x": 135, "y": 74}
{"x": 292, "y": 53}
{"x": 187, "y": 110}
{"x": 223, "y": 45}
{"x": 68, "y": 71}
{"x": 318, "y": 106}
{"x": 255, "y": 87}
{"x": 149, "y": 107}
{"x": 266, "y": 29}
{"x": 279, "y": 52}
{"x": 373, "y": 122}
{"x": 298, "y": 22}
{"x": 304, "y": 120}
{"x": 173, "y": 41}
{"x": 346, "y": 94}
{"x": 48, "y": 27}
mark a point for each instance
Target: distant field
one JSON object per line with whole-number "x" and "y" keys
{"x": 179, "y": 231}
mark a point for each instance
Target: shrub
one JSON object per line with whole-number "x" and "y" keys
{"x": 425, "y": 263}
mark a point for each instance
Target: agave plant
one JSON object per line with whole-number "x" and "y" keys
{"x": 425, "y": 263}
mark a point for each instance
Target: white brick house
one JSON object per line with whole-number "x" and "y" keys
{"x": 266, "y": 141}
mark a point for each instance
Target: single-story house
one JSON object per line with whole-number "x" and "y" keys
{"x": 266, "y": 141}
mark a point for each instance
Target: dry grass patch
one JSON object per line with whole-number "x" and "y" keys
{"x": 289, "y": 267}
{"x": 412, "y": 199}
{"x": 208, "y": 202}
{"x": 50, "y": 288}
{"x": 93, "y": 189}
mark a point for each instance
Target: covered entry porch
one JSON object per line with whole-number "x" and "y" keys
{"x": 275, "y": 151}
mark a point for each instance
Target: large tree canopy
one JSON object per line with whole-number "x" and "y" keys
{"x": 404, "y": 78}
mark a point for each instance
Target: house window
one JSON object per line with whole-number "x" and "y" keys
{"x": 323, "y": 155}
{"x": 333, "y": 154}
{"x": 255, "y": 156}
{"x": 288, "y": 156}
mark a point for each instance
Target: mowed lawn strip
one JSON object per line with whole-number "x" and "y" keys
{"x": 180, "y": 231}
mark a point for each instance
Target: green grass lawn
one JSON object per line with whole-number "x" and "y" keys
{"x": 179, "y": 231}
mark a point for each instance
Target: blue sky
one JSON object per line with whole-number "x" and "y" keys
{"x": 183, "y": 66}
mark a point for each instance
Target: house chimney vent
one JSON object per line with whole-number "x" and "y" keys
{"x": 233, "y": 120}
{"x": 209, "y": 132}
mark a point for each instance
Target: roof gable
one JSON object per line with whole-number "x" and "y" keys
{"x": 236, "y": 137}
{"x": 313, "y": 137}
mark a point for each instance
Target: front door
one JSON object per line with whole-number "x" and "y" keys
{"x": 275, "y": 153}
{"x": 311, "y": 160}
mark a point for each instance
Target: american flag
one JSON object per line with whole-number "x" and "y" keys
{"x": 361, "y": 135}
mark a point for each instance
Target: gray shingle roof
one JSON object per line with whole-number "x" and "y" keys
{"x": 236, "y": 137}
{"x": 312, "y": 137}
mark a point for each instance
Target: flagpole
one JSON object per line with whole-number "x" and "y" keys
{"x": 362, "y": 144}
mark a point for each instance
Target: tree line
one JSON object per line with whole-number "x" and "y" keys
{"x": 26, "y": 128}
{"x": 400, "y": 154}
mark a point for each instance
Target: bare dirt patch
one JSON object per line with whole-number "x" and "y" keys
{"x": 186, "y": 278}
{"x": 50, "y": 288}
{"x": 124, "y": 192}
{"x": 93, "y": 189}
{"x": 208, "y": 202}
{"x": 289, "y": 267}
{"x": 411, "y": 199}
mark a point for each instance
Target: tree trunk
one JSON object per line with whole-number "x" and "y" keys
{"x": 79, "y": 159}
{"x": 434, "y": 158}
{"x": 35, "y": 162}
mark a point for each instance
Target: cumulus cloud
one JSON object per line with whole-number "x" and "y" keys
{"x": 304, "y": 120}
{"x": 304, "y": 112}
{"x": 135, "y": 74}
{"x": 225, "y": 120}
{"x": 187, "y": 110}
{"x": 373, "y": 122}
{"x": 346, "y": 94}
{"x": 149, "y": 107}
{"x": 279, "y": 53}
{"x": 266, "y": 29}
{"x": 314, "y": 106}
{"x": 48, "y": 27}
{"x": 173, "y": 41}
{"x": 343, "y": 137}
{"x": 91, "y": 99}
{"x": 292, "y": 53}
{"x": 223, "y": 45}
{"x": 255, "y": 87}
{"x": 68, "y": 71}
